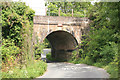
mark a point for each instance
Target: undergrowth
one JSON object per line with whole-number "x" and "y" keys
{"x": 49, "y": 57}
{"x": 111, "y": 68}
{"x": 33, "y": 70}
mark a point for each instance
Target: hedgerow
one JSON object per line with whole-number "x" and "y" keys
{"x": 18, "y": 47}
{"x": 100, "y": 46}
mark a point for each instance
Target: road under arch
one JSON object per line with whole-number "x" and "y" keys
{"x": 62, "y": 45}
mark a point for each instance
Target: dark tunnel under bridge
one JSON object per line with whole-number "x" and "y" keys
{"x": 62, "y": 44}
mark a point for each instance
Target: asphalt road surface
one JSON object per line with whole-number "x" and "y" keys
{"x": 68, "y": 70}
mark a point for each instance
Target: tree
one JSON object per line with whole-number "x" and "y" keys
{"x": 79, "y": 8}
{"x": 101, "y": 45}
{"x": 17, "y": 23}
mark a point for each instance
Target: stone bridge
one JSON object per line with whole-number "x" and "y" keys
{"x": 63, "y": 33}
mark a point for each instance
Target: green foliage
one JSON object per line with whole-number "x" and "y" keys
{"x": 112, "y": 69}
{"x": 46, "y": 43}
{"x": 9, "y": 50}
{"x": 78, "y": 14}
{"x": 17, "y": 45}
{"x": 63, "y": 14}
{"x": 79, "y": 9}
{"x": 100, "y": 46}
{"x": 74, "y": 58}
{"x": 105, "y": 14}
{"x": 17, "y": 23}
{"x": 53, "y": 10}
{"x": 38, "y": 50}
{"x": 15, "y": 16}
{"x": 33, "y": 70}
{"x": 49, "y": 57}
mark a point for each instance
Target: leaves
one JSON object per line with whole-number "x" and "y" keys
{"x": 9, "y": 49}
{"x": 17, "y": 26}
{"x": 14, "y": 17}
{"x": 79, "y": 9}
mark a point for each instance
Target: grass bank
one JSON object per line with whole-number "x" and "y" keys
{"x": 32, "y": 70}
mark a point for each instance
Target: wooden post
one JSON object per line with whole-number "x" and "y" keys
{"x": 59, "y": 12}
{"x": 72, "y": 12}
{"x": 46, "y": 11}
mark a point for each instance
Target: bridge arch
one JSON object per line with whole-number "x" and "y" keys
{"x": 63, "y": 44}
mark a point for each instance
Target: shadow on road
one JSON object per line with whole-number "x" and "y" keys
{"x": 49, "y": 61}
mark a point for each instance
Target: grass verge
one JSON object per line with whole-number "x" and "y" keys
{"x": 33, "y": 70}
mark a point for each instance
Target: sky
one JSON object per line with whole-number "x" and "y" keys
{"x": 39, "y": 5}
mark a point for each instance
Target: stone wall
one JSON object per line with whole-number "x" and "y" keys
{"x": 63, "y": 39}
{"x": 58, "y": 19}
{"x": 44, "y": 25}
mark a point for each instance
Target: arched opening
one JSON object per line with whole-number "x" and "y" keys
{"x": 62, "y": 45}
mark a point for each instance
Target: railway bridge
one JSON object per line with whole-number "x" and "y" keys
{"x": 63, "y": 33}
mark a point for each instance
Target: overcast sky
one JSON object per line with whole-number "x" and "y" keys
{"x": 37, "y": 5}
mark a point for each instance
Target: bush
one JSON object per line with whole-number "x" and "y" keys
{"x": 38, "y": 50}
{"x": 75, "y": 58}
{"x": 17, "y": 23}
{"x": 49, "y": 57}
{"x": 17, "y": 45}
{"x": 100, "y": 49}
{"x": 46, "y": 43}
{"x": 100, "y": 45}
{"x": 15, "y": 16}
{"x": 9, "y": 50}
{"x": 112, "y": 69}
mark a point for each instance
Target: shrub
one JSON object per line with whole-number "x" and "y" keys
{"x": 49, "y": 57}
{"x": 38, "y": 50}
{"x": 112, "y": 69}
{"x": 17, "y": 23}
{"x": 100, "y": 44}
{"x": 17, "y": 31}
{"x": 9, "y": 50}
{"x": 46, "y": 43}
{"x": 15, "y": 16}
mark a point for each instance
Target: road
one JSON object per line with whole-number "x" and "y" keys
{"x": 69, "y": 70}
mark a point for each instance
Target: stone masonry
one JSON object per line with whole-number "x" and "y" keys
{"x": 64, "y": 38}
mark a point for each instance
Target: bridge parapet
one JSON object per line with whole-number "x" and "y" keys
{"x": 44, "y": 25}
{"x": 59, "y": 19}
